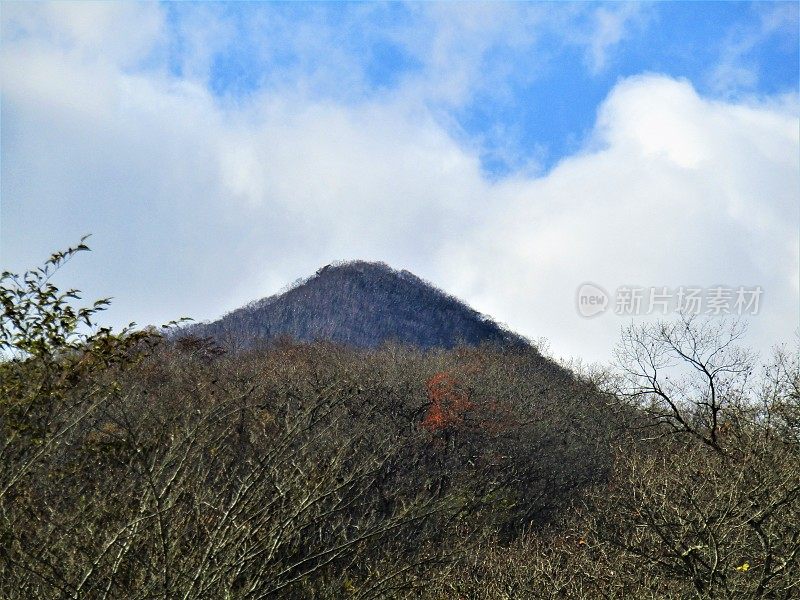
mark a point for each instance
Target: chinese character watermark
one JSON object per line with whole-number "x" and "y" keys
{"x": 628, "y": 301}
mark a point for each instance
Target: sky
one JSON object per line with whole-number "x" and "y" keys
{"x": 507, "y": 152}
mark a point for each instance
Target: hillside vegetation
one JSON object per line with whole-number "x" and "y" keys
{"x": 134, "y": 465}
{"x": 360, "y": 304}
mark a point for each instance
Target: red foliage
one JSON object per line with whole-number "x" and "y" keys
{"x": 448, "y": 405}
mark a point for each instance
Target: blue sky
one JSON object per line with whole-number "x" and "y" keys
{"x": 508, "y": 152}
{"x": 550, "y": 84}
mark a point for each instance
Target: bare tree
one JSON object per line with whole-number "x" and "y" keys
{"x": 706, "y": 492}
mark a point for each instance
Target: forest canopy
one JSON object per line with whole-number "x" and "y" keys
{"x": 138, "y": 465}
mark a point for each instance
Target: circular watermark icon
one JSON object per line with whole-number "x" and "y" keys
{"x": 592, "y": 300}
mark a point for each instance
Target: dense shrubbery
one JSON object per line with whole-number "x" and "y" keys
{"x": 136, "y": 467}
{"x": 703, "y": 500}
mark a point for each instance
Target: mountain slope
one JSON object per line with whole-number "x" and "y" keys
{"x": 360, "y": 304}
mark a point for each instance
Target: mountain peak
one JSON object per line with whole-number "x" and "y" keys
{"x": 362, "y": 304}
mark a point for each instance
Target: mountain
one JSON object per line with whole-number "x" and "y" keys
{"x": 361, "y": 304}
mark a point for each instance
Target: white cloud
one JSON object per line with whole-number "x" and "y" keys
{"x": 736, "y": 70}
{"x": 198, "y": 208}
{"x": 611, "y": 24}
{"x": 681, "y": 191}
{"x": 120, "y": 33}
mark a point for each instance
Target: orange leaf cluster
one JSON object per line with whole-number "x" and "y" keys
{"x": 448, "y": 401}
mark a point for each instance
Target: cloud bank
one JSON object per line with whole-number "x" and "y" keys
{"x": 199, "y": 204}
